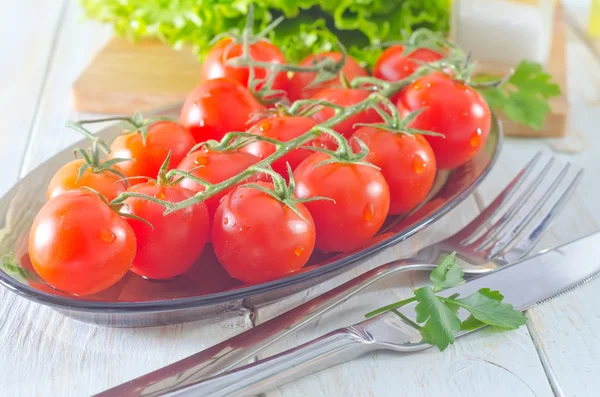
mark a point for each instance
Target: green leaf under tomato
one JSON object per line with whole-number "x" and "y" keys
{"x": 312, "y": 26}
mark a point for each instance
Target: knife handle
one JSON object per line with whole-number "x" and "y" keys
{"x": 238, "y": 350}
{"x": 331, "y": 349}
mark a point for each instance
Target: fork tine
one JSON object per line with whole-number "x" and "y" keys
{"x": 498, "y": 202}
{"x": 527, "y": 242}
{"x": 497, "y": 227}
{"x": 503, "y": 241}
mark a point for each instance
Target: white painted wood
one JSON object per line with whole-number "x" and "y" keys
{"x": 27, "y": 45}
{"x": 566, "y": 329}
{"x": 490, "y": 363}
{"x": 43, "y": 353}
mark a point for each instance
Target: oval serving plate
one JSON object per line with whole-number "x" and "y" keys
{"x": 206, "y": 290}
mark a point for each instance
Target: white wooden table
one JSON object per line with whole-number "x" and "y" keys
{"x": 44, "y": 46}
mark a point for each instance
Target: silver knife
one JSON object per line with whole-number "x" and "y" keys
{"x": 523, "y": 284}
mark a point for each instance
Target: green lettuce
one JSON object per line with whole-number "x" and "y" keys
{"x": 311, "y": 26}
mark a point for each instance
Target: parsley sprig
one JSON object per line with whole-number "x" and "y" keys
{"x": 437, "y": 316}
{"x": 524, "y": 97}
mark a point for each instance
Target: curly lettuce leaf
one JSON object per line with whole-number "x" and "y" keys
{"x": 312, "y": 26}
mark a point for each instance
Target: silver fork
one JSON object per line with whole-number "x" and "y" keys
{"x": 479, "y": 246}
{"x": 498, "y": 245}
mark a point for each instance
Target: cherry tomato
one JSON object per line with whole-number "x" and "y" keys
{"x": 393, "y": 65}
{"x": 104, "y": 182}
{"x": 175, "y": 241}
{"x": 362, "y": 201}
{"x": 298, "y": 83}
{"x": 406, "y": 161}
{"x": 214, "y": 167}
{"x": 257, "y": 238}
{"x": 453, "y": 109}
{"x": 215, "y": 64}
{"x": 281, "y": 128}
{"x": 344, "y": 97}
{"x": 77, "y": 244}
{"x": 217, "y": 107}
{"x": 146, "y": 159}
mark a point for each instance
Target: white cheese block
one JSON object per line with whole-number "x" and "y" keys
{"x": 502, "y": 31}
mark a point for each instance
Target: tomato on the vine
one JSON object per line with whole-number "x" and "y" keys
{"x": 214, "y": 167}
{"x": 105, "y": 182}
{"x": 283, "y": 129}
{"x": 406, "y": 161}
{"x": 79, "y": 245}
{"x": 146, "y": 158}
{"x": 217, "y": 107}
{"x": 175, "y": 241}
{"x": 215, "y": 64}
{"x": 394, "y": 65}
{"x": 361, "y": 201}
{"x": 453, "y": 109}
{"x": 257, "y": 238}
{"x": 298, "y": 86}
{"x": 344, "y": 97}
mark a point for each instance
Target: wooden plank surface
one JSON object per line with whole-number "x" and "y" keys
{"x": 485, "y": 363}
{"x": 23, "y": 70}
{"x": 42, "y": 352}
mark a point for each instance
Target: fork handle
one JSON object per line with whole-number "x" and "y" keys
{"x": 331, "y": 349}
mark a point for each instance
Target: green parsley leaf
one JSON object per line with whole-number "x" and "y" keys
{"x": 486, "y": 306}
{"x": 447, "y": 275}
{"x": 524, "y": 97}
{"x": 471, "y": 324}
{"x": 441, "y": 323}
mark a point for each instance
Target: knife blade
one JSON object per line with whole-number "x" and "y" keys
{"x": 523, "y": 284}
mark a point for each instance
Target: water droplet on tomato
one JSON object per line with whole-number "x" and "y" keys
{"x": 244, "y": 229}
{"x": 476, "y": 138}
{"x": 369, "y": 212}
{"x": 419, "y": 164}
{"x": 418, "y": 85}
{"x": 201, "y": 160}
{"x": 225, "y": 220}
{"x": 107, "y": 235}
{"x": 298, "y": 250}
{"x": 160, "y": 195}
{"x": 264, "y": 126}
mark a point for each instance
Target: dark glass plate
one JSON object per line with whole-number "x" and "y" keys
{"x": 206, "y": 290}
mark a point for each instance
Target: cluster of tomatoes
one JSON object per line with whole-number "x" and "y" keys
{"x": 80, "y": 244}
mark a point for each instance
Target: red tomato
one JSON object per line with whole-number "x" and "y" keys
{"x": 215, "y": 64}
{"x": 257, "y": 238}
{"x": 217, "y": 107}
{"x": 453, "y": 109}
{"x": 175, "y": 241}
{"x": 163, "y": 137}
{"x": 104, "y": 182}
{"x": 393, "y": 65}
{"x": 281, "y": 128}
{"x": 345, "y": 97}
{"x": 297, "y": 86}
{"x": 214, "y": 167}
{"x": 77, "y": 244}
{"x": 362, "y": 201}
{"x": 406, "y": 161}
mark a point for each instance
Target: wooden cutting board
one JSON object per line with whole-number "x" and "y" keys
{"x": 124, "y": 77}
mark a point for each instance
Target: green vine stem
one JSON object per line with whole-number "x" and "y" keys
{"x": 374, "y": 100}
{"x": 325, "y": 69}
